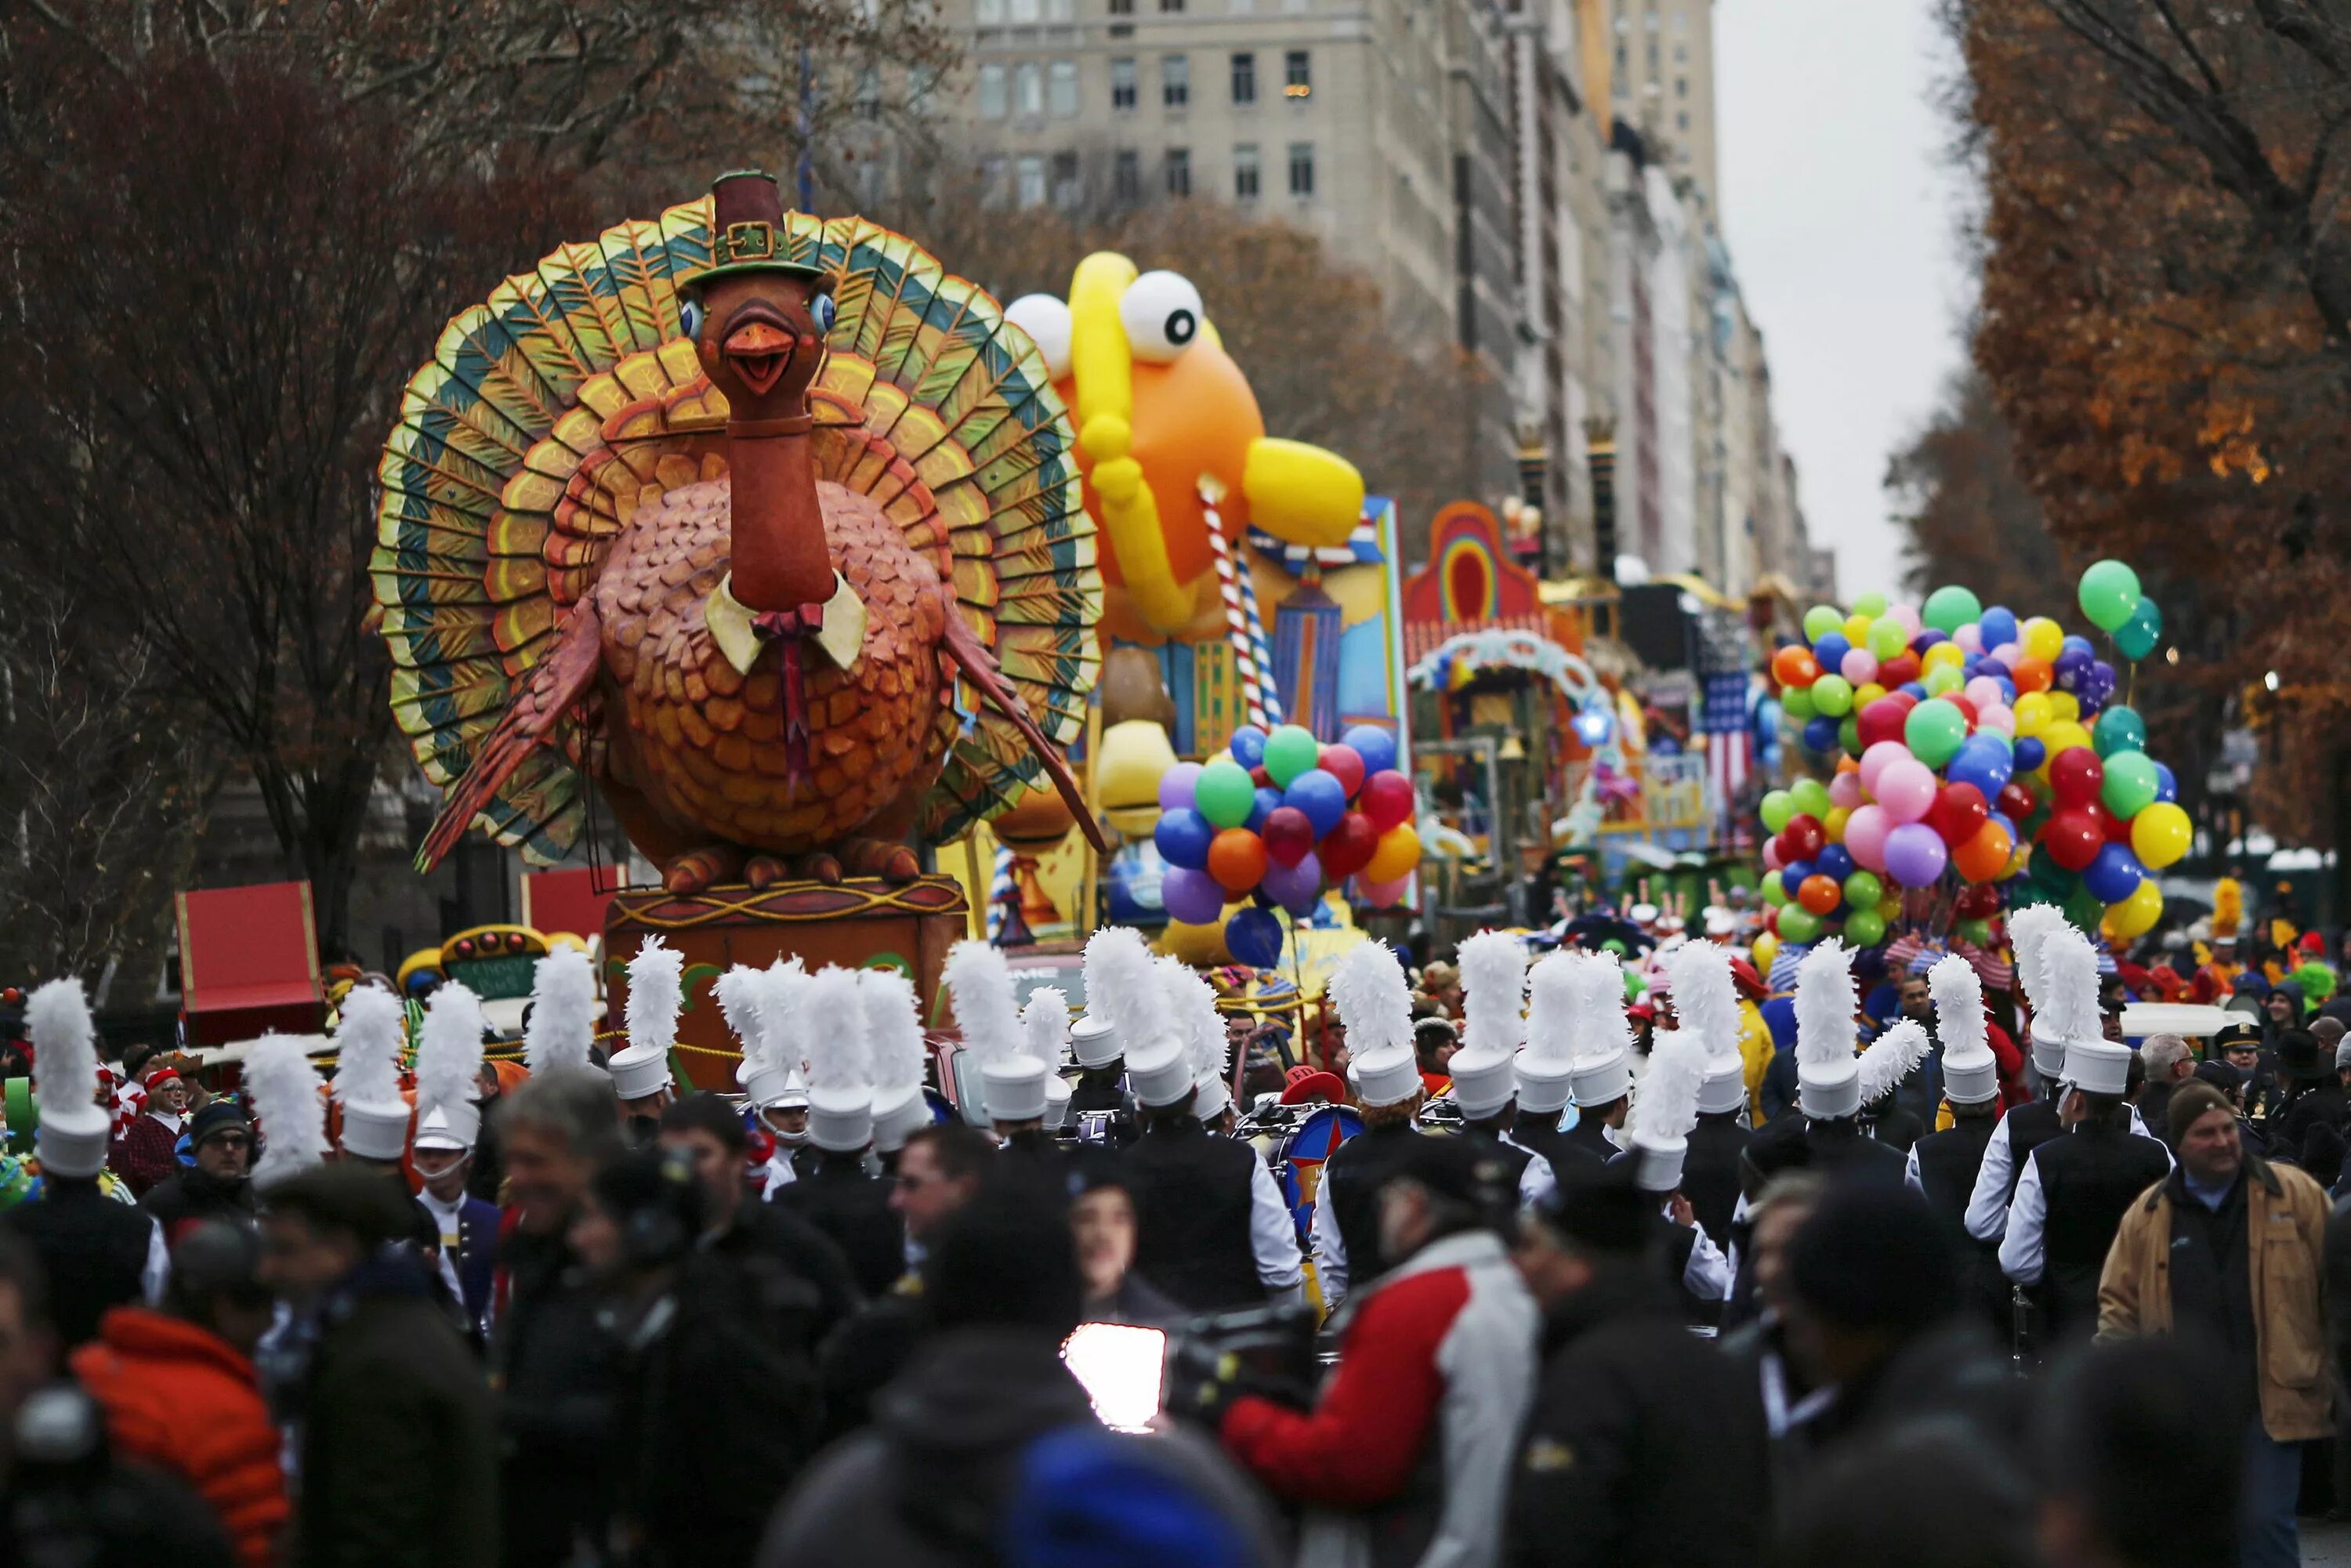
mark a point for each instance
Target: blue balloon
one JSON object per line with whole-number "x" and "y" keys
{"x": 2075, "y": 642}
{"x": 2166, "y": 785}
{"x": 1831, "y": 649}
{"x": 1917, "y": 689}
{"x": 1249, "y": 747}
{"x": 1996, "y": 625}
{"x": 2007, "y": 690}
{"x": 2114, "y": 875}
{"x": 1820, "y": 733}
{"x": 2003, "y": 818}
{"x": 1981, "y": 763}
{"x": 1254, "y": 937}
{"x": 1928, "y": 638}
{"x": 1183, "y": 838}
{"x": 1320, "y": 795}
{"x": 1375, "y": 746}
{"x": 2073, "y": 664}
{"x": 2030, "y": 754}
{"x": 1792, "y": 876}
{"x": 1836, "y": 860}
{"x": 1268, "y": 798}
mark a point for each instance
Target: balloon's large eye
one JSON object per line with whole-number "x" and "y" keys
{"x": 1161, "y": 312}
{"x": 1047, "y": 322}
{"x": 689, "y": 318}
{"x": 820, "y": 312}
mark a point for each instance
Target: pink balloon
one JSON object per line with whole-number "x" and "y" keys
{"x": 2007, "y": 653}
{"x": 1970, "y": 637}
{"x": 1999, "y": 716}
{"x": 1877, "y": 760}
{"x": 1383, "y": 894}
{"x": 1845, "y": 790}
{"x": 1908, "y": 615}
{"x": 1864, "y": 836}
{"x": 1905, "y": 788}
{"x": 1771, "y": 861}
{"x": 1983, "y": 691}
{"x": 1859, "y": 666}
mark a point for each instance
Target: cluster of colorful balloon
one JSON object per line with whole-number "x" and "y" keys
{"x": 1276, "y": 821}
{"x": 1963, "y": 736}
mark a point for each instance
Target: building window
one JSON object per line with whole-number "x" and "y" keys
{"x": 1179, "y": 171}
{"x": 1126, "y": 175}
{"x": 1027, "y": 89}
{"x": 1023, "y": 13}
{"x": 1171, "y": 7}
{"x": 869, "y": 94}
{"x": 1244, "y": 78}
{"x": 1032, "y": 191}
{"x": 988, "y": 13}
{"x": 1121, "y": 7}
{"x": 1297, "y": 74}
{"x": 1060, "y": 11}
{"x": 1681, "y": 87}
{"x": 1066, "y": 189}
{"x": 1245, "y": 173}
{"x": 1624, "y": 62}
{"x": 991, "y": 178}
{"x": 1681, "y": 120}
{"x": 991, "y": 92}
{"x": 1063, "y": 84}
{"x": 1122, "y": 83}
{"x": 1302, "y": 169}
{"x": 1175, "y": 80}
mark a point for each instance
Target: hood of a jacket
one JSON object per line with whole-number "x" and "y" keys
{"x": 139, "y": 1333}
{"x": 977, "y": 1390}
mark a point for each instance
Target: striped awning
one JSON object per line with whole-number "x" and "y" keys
{"x": 1420, "y": 637}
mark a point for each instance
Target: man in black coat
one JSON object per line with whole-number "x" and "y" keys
{"x": 1943, "y": 1167}
{"x": 836, "y": 1193}
{"x": 1718, "y": 1146}
{"x": 219, "y": 1186}
{"x": 1644, "y": 1443}
{"x": 1211, "y": 1230}
{"x": 96, "y": 1252}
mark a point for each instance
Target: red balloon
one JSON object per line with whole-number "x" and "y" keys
{"x": 2074, "y": 777}
{"x": 1902, "y": 667}
{"x": 2072, "y": 837}
{"x": 1345, "y": 763}
{"x": 1386, "y": 800}
{"x": 1804, "y": 837}
{"x": 1820, "y": 893}
{"x": 1965, "y": 703}
{"x": 1977, "y": 901}
{"x": 2017, "y": 800}
{"x": 1261, "y": 777}
{"x": 2117, "y": 831}
{"x": 1236, "y": 859}
{"x": 1958, "y": 813}
{"x": 1289, "y": 833}
{"x": 1883, "y": 719}
{"x": 1772, "y": 918}
{"x": 1347, "y": 848}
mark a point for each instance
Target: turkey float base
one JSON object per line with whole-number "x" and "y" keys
{"x": 858, "y": 923}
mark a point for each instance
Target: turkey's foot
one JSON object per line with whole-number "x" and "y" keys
{"x": 819, "y": 865}
{"x": 892, "y": 861}
{"x": 696, "y": 871}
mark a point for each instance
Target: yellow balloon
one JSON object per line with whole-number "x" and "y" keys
{"x": 1765, "y": 948}
{"x": 1943, "y": 655}
{"x": 2042, "y": 638}
{"x": 2031, "y": 712}
{"x": 2135, "y": 916}
{"x": 2160, "y": 834}
{"x": 1865, "y": 694}
{"x": 2064, "y": 735}
{"x": 1396, "y": 854}
{"x": 2064, "y": 706}
{"x": 1834, "y": 823}
{"x": 1856, "y": 630}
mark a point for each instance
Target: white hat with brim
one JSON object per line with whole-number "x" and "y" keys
{"x": 1160, "y": 1074}
{"x": 1211, "y": 1098}
{"x": 771, "y": 1084}
{"x": 841, "y": 1121}
{"x": 2048, "y": 1051}
{"x": 72, "y": 1140}
{"x": 1723, "y": 1089}
{"x": 2098, "y": 1066}
{"x": 640, "y": 1073}
{"x": 1602, "y": 1080}
{"x": 1058, "y": 1092}
{"x": 1389, "y": 1076}
{"x": 1543, "y": 1088}
{"x": 1093, "y": 1041}
{"x": 375, "y": 1130}
{"x": 455, "y": 1127}
{"x": 1014, "y": 1087}
{"x": 1660, "y": 1163}
{"x": 1484, "y": 1083}
{"x": 1971, "y": 1079}
{"x": 1829, "y": 1092}
{"x": 900, "y": 1117}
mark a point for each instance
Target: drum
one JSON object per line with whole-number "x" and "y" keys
{"x": 1316, "y": 1136}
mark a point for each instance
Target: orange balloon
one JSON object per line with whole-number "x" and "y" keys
{"x": 2033, "y": 675}
{"x": 1237, "y": 860}
{"x": 1795, "y": 666}
{"x": 1985, "y": 856}
{"x": 1846, "y": 764}
{"x": 1820, "y": 893}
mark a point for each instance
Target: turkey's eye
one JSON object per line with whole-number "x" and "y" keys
{"x": 1162, "y": 315}
{"x": 689, "y": 318}
{"x": 820, "y": 312}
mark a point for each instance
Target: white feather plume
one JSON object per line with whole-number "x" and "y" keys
{"x": 1597, "y": 1026}
{"x": 837, "y": 1056}
{"x": 1959, "y": 1009}
{"x": 742, "y": 991}
{"x": 448, "y": 1049}
{"x": 1367, "y": 987}
{"x": 281, "y": 1089}
{"x": 1551, "y": 1011}
{"x": 656, "y": 995}
{"x": 1046, "y": 1022}
{"x": 65, "y": 1045}
{"x": 1824, "y": 1003}
{"x": 2029, "y": 930}
{"x": 2070, "y": 965}
{"x": 1666, "y": 1109}
{"x": 562, "y": 1012}
{"x": 1192, "y": 1014}
{"x": 367, "y": 1046}
{"x": 1892, "y": 1057}
{"x": 980, "y": 982}
{"x": 893, "y": 1029}
{"x": 782, "y": 1004}
{"x": 1493, "y": 993}
{"x": 1121, "y": 989}
{"x": 1705, "y": 1000}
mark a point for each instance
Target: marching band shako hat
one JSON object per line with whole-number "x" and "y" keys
{"x": 747, "y": 229}
{"x": 1094, "y": 1041}
{"x": 1828, "y": 1073}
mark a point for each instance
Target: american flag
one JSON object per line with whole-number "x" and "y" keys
{"x": 1729, "y": 738}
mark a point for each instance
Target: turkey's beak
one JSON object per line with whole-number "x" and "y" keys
{"x": 761, "y": 349}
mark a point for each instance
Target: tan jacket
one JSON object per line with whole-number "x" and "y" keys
{"x": 2285, "y": 1225}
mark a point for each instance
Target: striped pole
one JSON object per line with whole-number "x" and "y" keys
{"x": 1244, "y": 629}
{"x": 999, "y": 887}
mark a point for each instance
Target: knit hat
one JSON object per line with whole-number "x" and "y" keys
{"x": 1545, "y": 1069}
{"x": 1828, "y": 1074}
{"x": 2299, "y": 1056}
{"x": 2331, "y": 1036}
{"x": 220, "y": 1116}
{"x": 1493, "y": 993}
{"x": 1871, "y": 1256}
{"x": 893, "y": 1030}
{"x": 657, "y": 996}
{"x": 840, "y": 1069}
{"x": 72, "y": 1135}
{"x": 1705, "y": 1000}
{"x": 1368, "y": 990}
{"x": 449, "y": 1070}
{"x": 1970, "y": 1071}
{"x": 2028, "y": 931}
{"x": 1667, "y": 1109}
{"x": 367, "y": 1076}
{"x": 2191, "y": 1100}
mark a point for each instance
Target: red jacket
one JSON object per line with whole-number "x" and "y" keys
{"x": 181, "y": 1399}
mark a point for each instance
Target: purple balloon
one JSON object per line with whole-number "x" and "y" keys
{"x": 1295, "y": 887}
{"x": 1914, "y": 854}
{"x": 1176, "y": 787}
{"x": 1192, "y": 896}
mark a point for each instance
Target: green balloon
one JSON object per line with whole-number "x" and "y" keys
{"x": 1870, "y": 604}
{"x": 1934, "y": 731}
{"x": 1634, "y": 986}
{"x": 1775, "y": 892}
{"x": 1849, "y": 735}
{"x": 2108, "y": 594}
{"x": 1833, "y": 694}
{"x": 1798, "y": 924}
{"x": 1819, "y": 620}
{"x": 1796, "y": 702}
{"x": 1950, "y": 607}
{"x": 1289, "y": 751}
{"x": 2119, "y": 729}
{"x": 1976, "y": 930}
{"x": 2130, "y": 784}
{"x": 1224, "y": 793}
{"x": 1779, "y": 807}
{"x": 2136, "y": 638}
{"x": 1863, "y": 929}
{"x": 1942, "y": 681}
{"x": 1862, "y": 890}
{"x": 1887, "y": 639}
{"x": 1810, "y": 797}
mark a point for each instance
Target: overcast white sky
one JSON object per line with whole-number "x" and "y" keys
{"x": 1841, "y": 214}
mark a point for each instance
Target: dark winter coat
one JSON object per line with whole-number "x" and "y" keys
{"x": 835, "y": 1194}
{"x": 559, "y": 1408}
{"x": 191, "y": 1196}
{"x": 93, "y": 1252}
